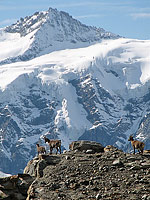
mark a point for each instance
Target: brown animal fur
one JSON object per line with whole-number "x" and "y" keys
{"x": 137, "y": 144}
{"x": 40, "y": 149}
{"x": 71, "y": 146}
{"x": 53, "y": 144}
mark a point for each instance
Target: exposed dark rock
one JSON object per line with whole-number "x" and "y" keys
{"x": 15, "y": 187}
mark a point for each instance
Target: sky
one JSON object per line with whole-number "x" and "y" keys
{"x": 128, "y": 18}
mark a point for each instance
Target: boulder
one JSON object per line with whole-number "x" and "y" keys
{"x": 147, "y": 151}
{"x": 117, "y": 162}
{"x": 110, "y": 148}
{"x": 31, "y": 167}
{"x": 86, "y": 145}
{"x": 36, "y": 166}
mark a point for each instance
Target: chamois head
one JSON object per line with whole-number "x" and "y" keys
{"x": 130, "y": 138}
{"x": 46, "y": 139}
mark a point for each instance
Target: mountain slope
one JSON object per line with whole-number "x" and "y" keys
{"x": 98, "y": 92}
{"x": 87, "y": 93}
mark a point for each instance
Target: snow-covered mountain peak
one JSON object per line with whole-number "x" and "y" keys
{"x": 49, "y": 31}
{"x": 60, "y": 20}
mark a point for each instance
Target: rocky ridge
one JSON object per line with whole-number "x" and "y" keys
{"x": 111, "y": 174}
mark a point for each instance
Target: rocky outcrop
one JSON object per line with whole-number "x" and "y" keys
{"x": 36, "y": 166}
{"x": 87, "y": 146}
{"x": 75, "y": 174}
{"x": 110, "y": 148}
{"x": 105, "y": 175}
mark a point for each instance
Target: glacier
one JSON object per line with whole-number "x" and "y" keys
{"x": 66, "y": 80}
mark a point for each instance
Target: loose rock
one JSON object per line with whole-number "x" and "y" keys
{"x": 76, "y": 175}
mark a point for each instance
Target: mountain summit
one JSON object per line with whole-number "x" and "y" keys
{"x": 49, "y": 31}
{"x": 66, "y": 80}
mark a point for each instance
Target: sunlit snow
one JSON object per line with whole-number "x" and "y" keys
{"x": 128, "y": 58}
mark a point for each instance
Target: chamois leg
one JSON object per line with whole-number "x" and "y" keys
{"x": 57, "y": 150}
{"x": 134, "y": 150}
{"x": 141, "y": 151}
{"x": 60, "y": 150}
{"x": 51, "y": 149}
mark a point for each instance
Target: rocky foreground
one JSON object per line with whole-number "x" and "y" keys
{"x": 82, "y": 173}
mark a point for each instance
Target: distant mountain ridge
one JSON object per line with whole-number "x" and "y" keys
{"x": 53, "y": 17}
{"x": 52, "y": 30}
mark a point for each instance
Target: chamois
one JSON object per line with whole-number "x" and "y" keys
{"x": 53, "y": 144}
{"x": 40, "y": 149}
{"x": 136, "y": 144}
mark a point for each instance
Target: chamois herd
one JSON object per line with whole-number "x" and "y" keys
{"x": 52, "y": 144}
{"x": 57, "y": 145}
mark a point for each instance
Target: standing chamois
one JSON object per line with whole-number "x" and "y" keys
{"x": 136, "y": 144}
{"x": 53, "y": 144}
{"x": 40, "y": 149}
